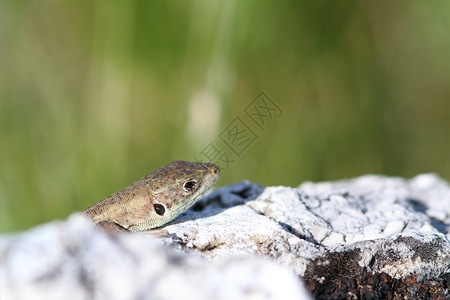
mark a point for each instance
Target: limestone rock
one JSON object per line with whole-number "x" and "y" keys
{"x": 72, "y": 260}
{"x": 370, "y": 237}
{"x": 387, "y": 230}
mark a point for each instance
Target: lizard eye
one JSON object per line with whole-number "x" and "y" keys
{"x": 188, "y": 186}
{"x": 159, "y": 208}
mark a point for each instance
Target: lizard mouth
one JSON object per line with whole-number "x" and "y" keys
{"x": 208, "y": 182}
{"x": 210, "y": 179}
{"x": 212, "y": 176}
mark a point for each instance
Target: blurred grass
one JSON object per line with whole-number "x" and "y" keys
{"x": 94, "y": 95}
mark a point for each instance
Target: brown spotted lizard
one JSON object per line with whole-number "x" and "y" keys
{"x": 155, "y": 199}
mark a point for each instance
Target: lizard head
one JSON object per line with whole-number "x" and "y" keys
{"x": 173, "y": 189}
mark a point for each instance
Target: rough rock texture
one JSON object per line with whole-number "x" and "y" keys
{"x": 372, "y": 237}
{"x": 71, "y": 260}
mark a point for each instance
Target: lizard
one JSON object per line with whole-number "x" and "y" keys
{"x": 155, "y": 199}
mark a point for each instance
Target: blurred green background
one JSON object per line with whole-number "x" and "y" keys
{"x": 95, "y": 94}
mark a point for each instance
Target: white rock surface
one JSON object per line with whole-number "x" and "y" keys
{"x": 341, "y": 233}
{"x": 71, "y": 260}
{"x": 295, "y": 226}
